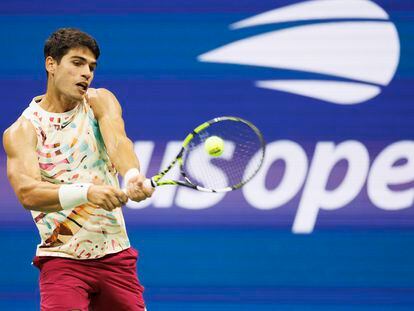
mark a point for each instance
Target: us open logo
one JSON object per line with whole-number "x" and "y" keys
{"x": 352, "y": 44}
{"x": 352, "y": 50}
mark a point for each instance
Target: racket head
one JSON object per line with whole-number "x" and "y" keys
{"x": 242, "y": 157}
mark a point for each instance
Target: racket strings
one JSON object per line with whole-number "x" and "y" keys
{"x": 241, "y": 158}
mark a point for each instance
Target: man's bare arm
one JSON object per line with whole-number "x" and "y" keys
{"x": 108, "y": 112}
{"x": 19, "y": 142}
{"x": 120, "y": 148}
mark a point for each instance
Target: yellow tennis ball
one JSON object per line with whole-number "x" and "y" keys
{"x": 214, "y": 146}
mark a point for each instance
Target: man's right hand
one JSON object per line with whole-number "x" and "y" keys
{"x": 106, "y": 197}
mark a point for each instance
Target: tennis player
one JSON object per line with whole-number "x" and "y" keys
{"x": 63, "y": 157}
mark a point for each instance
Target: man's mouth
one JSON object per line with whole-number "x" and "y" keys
{"x": 83, "y": 86}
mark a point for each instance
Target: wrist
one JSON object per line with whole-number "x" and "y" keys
{"x": 131, "y": 173}
{"x": 73, "y": 195}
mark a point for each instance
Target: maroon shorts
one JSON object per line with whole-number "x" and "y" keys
{"x": 108, "y": 283}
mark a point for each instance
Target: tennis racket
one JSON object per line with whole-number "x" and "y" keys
{"x": 238, "y": 162}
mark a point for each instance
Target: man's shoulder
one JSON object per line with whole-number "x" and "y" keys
{"x": 20, "y": 126}
{"x": 21, "y": 130}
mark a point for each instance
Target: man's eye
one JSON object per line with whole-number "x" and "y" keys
{"x": 77, "y": 63}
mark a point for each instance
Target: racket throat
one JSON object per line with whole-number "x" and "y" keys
{"x": 150, "y": 183}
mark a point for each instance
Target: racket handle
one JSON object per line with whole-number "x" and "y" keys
{"x": 149, "y": 183}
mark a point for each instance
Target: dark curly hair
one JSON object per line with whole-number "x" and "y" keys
{"x": 64, "y": 39}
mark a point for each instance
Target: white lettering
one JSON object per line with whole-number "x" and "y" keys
{"x": 389, "y": 184}
{"x": 384, "y": 173}
{"x": 296, "y": 166}
{"x": 315, "y": 195}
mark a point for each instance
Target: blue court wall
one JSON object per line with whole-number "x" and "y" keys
{"x": 326, "y": 225}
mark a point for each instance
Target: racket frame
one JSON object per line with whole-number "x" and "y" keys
{"x": 156, "y": 179}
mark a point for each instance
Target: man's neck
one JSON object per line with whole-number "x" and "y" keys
{"x": 57, "y": 102}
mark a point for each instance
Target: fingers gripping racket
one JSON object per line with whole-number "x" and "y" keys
{"x": 220, "y": 155}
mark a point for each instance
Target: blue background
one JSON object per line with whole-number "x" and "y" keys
{"x": 230, "y": 256}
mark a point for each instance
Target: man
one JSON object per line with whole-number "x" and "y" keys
{"x": 63, "y": 155}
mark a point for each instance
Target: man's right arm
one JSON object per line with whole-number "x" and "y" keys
{"x": 20, "y": 142}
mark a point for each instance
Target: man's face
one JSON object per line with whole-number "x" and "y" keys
{"x": 73, "y": 75}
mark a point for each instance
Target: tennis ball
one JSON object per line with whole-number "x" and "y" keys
{"x": 214, "y": 146}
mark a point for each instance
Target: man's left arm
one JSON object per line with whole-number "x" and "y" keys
{"x": 120, "y": 148}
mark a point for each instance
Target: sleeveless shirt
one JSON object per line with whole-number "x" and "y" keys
{"x": 70, "y": 149}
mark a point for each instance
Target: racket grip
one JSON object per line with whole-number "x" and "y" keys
{"x": 149, "y": 183}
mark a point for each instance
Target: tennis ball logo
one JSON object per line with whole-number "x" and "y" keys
{"x": 214, "y": 146}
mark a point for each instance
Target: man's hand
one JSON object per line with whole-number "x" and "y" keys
{"x": 136, "y": 190}
{"x": 98, "y": 106}
{"x": 106, "y": 197}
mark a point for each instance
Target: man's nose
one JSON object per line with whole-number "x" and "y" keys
{"x": 86, "y": 73}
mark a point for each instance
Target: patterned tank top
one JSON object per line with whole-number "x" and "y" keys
{"x": 70, "y": 149}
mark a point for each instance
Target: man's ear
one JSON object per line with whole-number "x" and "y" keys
{"x": 50, "y": 65}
